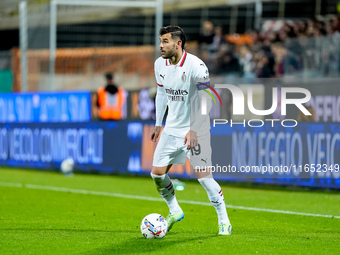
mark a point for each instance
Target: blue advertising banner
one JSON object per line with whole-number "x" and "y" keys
{"x": 308, "y": 154}
{"x": 68, "y": 106}
{"x": 94, "y": 146}
{"x": 305, "y": 155}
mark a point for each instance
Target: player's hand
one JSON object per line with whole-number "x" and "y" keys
{"x": 155, "y": 133}
{"x": 191, "y": 140}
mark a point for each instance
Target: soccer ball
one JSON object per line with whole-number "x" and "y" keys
{"x": 67, "y": 166}
{"x": 153, "y": 226}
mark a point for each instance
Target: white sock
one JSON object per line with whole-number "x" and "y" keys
{"x": 167, "y": 191}
{"x": 216, "y": 198}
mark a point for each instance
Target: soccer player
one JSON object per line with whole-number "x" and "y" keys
{"x": 180, "y": 79}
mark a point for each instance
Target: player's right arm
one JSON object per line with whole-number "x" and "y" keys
{"x": 160, "y": 104}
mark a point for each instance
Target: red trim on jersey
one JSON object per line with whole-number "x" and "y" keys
{"x": 185, "y": 56}
{"x": 160, "y": 85}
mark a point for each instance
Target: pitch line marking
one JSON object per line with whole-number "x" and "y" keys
{"x": 119, "y": 195}
{"x": 11, "y": 184}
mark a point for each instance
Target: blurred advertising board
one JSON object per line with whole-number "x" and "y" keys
{"x": 94, "y": 146}
{"x": 141, "y": 105}
{"x": 71, "y": 106}
{"x": 305, "y": 155}
{"x": 325, "y": 97}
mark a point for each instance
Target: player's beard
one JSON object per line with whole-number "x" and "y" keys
{"x": 169, "y": 54}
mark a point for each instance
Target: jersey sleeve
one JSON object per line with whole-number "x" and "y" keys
{"x": 202, "y": 83}
{"x": 161, "y": 99}
{"x": 157, "y": 74}
{"x": 201, "y": 74}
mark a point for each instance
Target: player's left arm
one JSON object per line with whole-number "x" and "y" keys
{"x": 201, "y": 82}
{"x": 200, "y": 79}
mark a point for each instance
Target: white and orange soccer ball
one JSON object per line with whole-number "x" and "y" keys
{"x": 153, "y": 226}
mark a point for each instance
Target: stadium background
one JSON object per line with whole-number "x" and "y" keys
{"x": 293, "y": 43}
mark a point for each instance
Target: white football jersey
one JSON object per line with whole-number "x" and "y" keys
{"x": 180, "y": 87}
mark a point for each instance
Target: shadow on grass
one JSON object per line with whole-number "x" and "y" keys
{"x": 140, "y": 245}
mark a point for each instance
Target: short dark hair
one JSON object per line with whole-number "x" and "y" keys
{"x": 109, "y": 76}
{"x": 175, "y": 31}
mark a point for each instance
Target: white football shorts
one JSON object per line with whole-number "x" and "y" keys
{"x": 171, "y": 150}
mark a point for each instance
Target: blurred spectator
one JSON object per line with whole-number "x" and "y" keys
{"x": 206, "y": 35}
{"x": 305, "y": 48}
{"x": 265, "y": 64}
{"x": 217, "y": 40}
{"x": 279, "y": 53}
{"x": 256, "y": 38}
{"x": 246, "y": 62}
{"x": 111, "y": 99}
{"x": 335, "y": 24}
{"x": 228, "y": 65}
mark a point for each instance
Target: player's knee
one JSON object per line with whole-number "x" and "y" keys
{"x": 158, "y": 170}
{"x": 203, "y": 174}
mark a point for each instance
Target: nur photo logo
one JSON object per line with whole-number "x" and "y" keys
{"x": 238, "y": 104}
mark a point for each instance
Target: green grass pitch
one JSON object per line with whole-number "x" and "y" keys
{"x": 37, "y": 221}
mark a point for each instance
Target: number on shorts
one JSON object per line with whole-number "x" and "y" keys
{"x": 196, "y": 150}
